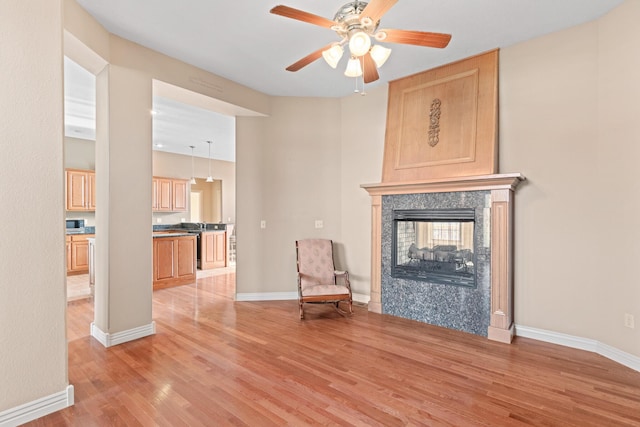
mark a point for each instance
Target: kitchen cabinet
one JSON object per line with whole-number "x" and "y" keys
{"x": 78, "y": 253}
{"x": 80, "y": 190}
{"x": 169, "y": 195}
{"x": 213, "y": 249}
{"x": 68, "y": 245}
{"x": 174, "y": 261}
{"x": 179, "y": 195}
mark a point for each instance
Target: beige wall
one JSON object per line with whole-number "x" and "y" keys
{"x": 362, "y": 133}
{"x": 569, "y": 124}
{"x": 33, "y": 349}
{"x": 79, "y": 153}
{"x": 297, "y": 182}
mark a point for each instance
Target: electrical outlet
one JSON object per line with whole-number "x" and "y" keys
{"x": 319, "y": 223}
{"x": 158, "y": 220}
{"x": 629, "y": 321}
{"x": 263, "y": 224}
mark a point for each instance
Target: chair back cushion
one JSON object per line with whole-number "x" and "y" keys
{"x": 315, "y": 262}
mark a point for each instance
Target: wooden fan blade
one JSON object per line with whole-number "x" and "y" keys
{"x": 418, "y": 38}
{"x": 308, "y": 59}
{"x": 369, "y": 69}
{"x": 376, "y": 8}
{"x": 303, "y": 16}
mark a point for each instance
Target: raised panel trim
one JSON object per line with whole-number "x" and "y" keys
{"x": 471, "y": 154}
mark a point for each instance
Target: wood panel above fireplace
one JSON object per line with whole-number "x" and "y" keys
{"x": 443, "y": 122}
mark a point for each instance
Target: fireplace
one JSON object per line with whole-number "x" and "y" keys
{"x": 436, "y": 257}
{"x": 425, "y": 265}
{"x": 484, "y": 308}
{"x": 434, "y": 245}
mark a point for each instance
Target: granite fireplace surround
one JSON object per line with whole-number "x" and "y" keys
{"x": 449, "y": 305}
{"x": 487, "y": 308}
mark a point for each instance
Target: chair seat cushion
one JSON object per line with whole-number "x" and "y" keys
{"x": 313, "y": 290}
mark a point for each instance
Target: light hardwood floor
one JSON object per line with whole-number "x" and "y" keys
{"x": 216, "y": 362}
{"x": 78, "y": 287}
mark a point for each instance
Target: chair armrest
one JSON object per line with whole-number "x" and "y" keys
{"x": 345, "y": 277}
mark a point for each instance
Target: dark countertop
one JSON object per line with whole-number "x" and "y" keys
{"x": 190, "y": 226}
{"x": 172, "y": 234}
{"x": 83, "y": 230}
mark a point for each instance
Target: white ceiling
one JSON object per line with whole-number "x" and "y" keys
{"x": 176, "y": 125}
{"x": 240, "y": 40}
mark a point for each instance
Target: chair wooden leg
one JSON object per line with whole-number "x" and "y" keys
{"x": 301, "y": 311}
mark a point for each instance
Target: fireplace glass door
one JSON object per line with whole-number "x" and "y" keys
{"x": 434, "y": 245}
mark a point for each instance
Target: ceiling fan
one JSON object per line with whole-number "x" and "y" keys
{"x": 356, "y": 23}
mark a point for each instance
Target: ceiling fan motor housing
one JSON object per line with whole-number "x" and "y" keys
{"x": 348, "y": 20}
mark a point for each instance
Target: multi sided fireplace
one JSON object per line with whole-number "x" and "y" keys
{"x": 434, "y": 245}
{"x": 456, "y": 170}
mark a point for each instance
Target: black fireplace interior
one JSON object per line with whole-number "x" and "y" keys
{"x": 434, "y": 245}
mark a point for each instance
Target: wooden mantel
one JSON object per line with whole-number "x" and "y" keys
{"x": 502, "y": 187}
{"x": 442, "y": 185}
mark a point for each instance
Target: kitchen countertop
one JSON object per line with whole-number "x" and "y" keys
{"x": 171, "y": 234}
{"x": 83, "y": 230}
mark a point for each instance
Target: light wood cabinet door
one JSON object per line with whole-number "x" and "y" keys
{"x": 174, "y": 261}
{"x": 80, "y": 256}
{"x": 68, "y": 246}
{"x": 78, "y": 253}
{"x": 80, "y": 189}
{"x": 76, "y": 190}
{"x": 213, "y": 250}
{"x": 179, "y": 195}
{"x": 163, "y": 250}
{"x": 91, "y": 191}
{"x": 154, "y": 194}
{"x": 186, "y": 258}
{"x": 164, "y": 194}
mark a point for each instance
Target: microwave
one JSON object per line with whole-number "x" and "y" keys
{"x": 75, "y": 223}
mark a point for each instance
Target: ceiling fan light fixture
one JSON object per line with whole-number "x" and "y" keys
{"x": 380, "y": 36}
{"x": 193, "y": 179}
{"x": 359, "y": 43}
{"x": 380, "y": 54}
{"x": 366, "y": 21}
{"x": 333, "y": 55}
{"x": 354, "y": 69}
{"x": 209, "y": 178}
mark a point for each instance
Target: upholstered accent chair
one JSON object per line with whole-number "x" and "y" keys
{"x": 318, "y": 281}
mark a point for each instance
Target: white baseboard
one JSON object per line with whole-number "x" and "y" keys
{"x": 286, "y": 296}
{"x": 363, "y": 298}
{"x": 108, "y": 340}
{"x": 37, "y": 408}
{"x": 267, "y": 296}
{"x": 594, "y": 346}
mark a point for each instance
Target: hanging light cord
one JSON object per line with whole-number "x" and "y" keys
{"x": 192, "y": 147}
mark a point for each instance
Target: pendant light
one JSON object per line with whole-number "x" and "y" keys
{"x": 209, "y": 178}
{"x": 193, "y": 178}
